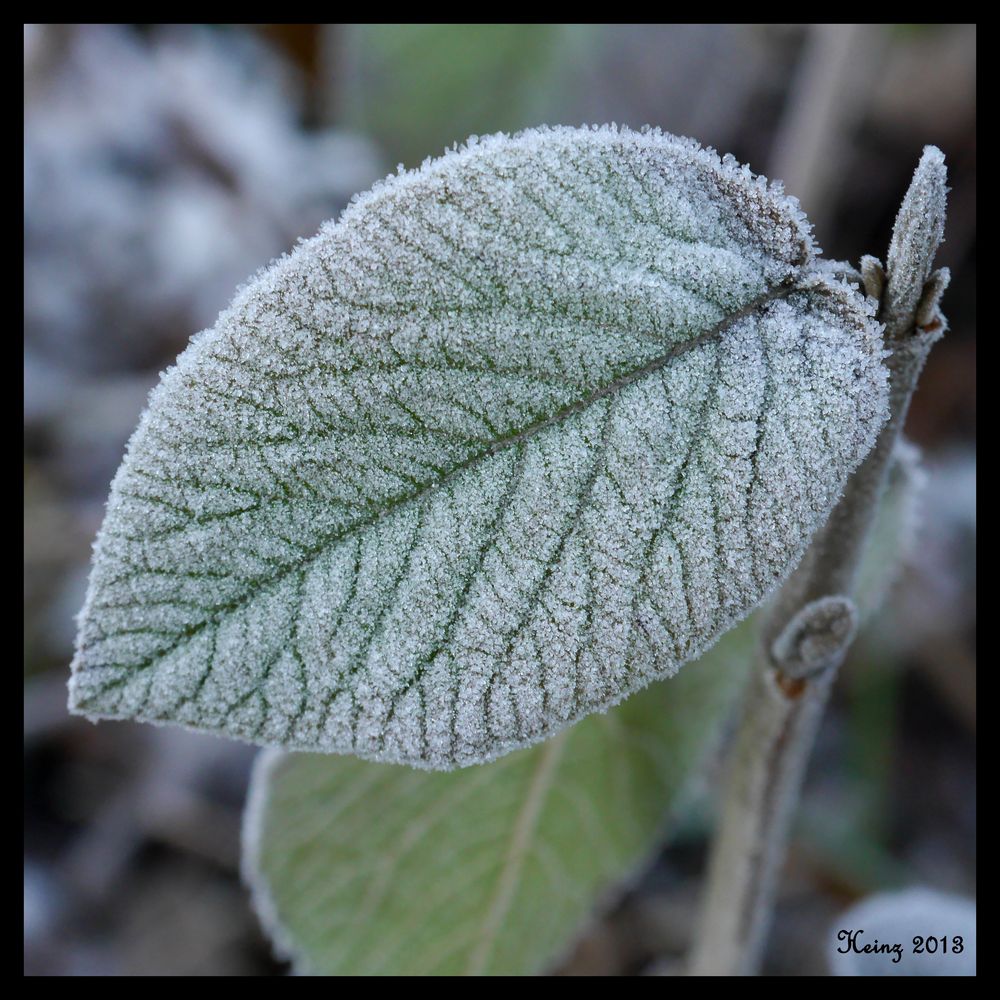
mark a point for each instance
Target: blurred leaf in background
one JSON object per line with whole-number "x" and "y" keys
{"x": 417, "y": 88}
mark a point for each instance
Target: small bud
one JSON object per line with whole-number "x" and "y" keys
{"x": 873, "y": 277}
{"x": 916, "y": 236}
{"x": 816, "y": 637}
{"x": 928, "y": 311}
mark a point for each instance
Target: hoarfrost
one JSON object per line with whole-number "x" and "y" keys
{"x": 526, "y": 429}
{"x": 916, "y": 236}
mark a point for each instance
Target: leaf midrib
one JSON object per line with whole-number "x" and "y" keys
{"x": 779, "y": 291}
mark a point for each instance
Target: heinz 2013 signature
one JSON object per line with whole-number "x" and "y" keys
{"x": 853, "y": 943}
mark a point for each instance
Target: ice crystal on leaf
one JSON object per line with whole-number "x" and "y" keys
{"x": 526, "y": 429}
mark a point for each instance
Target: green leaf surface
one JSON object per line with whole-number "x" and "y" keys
{"x": 374, "y": 869}
{"x": 524, "y": 431}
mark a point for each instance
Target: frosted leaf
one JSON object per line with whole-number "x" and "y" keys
{"x": 366, "y": 869}
{"x": 528, "y": 428}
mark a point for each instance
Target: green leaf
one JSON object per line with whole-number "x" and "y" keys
{"x": 367, "y": 869}
{"x": 527, "y": 429}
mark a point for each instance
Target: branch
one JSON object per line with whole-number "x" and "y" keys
{"x": 812, "y": 622}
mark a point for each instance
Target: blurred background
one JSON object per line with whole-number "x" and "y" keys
{"x": 163, "y": 165}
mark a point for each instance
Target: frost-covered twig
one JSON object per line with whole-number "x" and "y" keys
{"x": 811, "y": 621}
